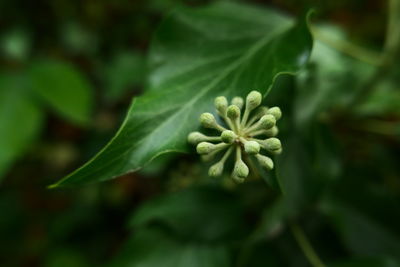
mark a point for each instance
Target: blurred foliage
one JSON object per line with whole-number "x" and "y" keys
{"x": 68, "y": 71}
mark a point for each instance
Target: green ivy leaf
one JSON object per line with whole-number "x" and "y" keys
{"x": 20, "y": 120}
{"x": 153, "y": 247}
{"x": 223, "y": 49}
{"x": 324, "y": 86}
{"x": 382, "y": 101}
{"x": 64, "y": 88}
{"x": 366, "y": 262}
{"x": 353, "y": 227}
{"x": 217, "y": 211}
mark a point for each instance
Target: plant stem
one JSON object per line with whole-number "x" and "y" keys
{"x": 227, "y": 120}
{"x": 348, "y": 48}
{"x": 213, "y": 138}
{"x": 226, "y": 155}
{"x": 380, "y": 127}
{"x": 253, "y": 168}
{"x": 305, "y": 245}
{"x": 245, "y": 117}
{"x": 392, "y": 30}
{"x": 388, "y": 58}
{"x": 298, "y": 233}
{"x": 238, "y": 153}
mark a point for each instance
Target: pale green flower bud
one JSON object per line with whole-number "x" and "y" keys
{"x": 276, "y": 152}
{"x": 233, "y": 112}
{"x": 216, "y": 169}
{"x": 276, "y": 112}
{"x": 272, "y": 144}
{"x": 240, "y": 170}
{"x": 272, "y": 132}
{"x": 253, "y": 100}
{"x": 261, "y": 111}
{"x": 196, "y": 137}
{"x": 267, "y": 122}
{"x": 265, "y": 161}
{"x": 207, "y": 157}
{"x": 251, "y": 147}
{"x": 238, "y": 179}
{"x": 238, "y": 101}
{"x": 221, "y": 104}
{"x": 205, "y": 148}
{"x": 239, "y": 134}
{"x": 228, "y": 136}
{"x": 207, "y": 120}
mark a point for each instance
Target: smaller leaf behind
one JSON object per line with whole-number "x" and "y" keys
{"x": 20, "y": 119}
{"x": 203, "y": 214}
{"x": 154, "y": 247}
{"x": 63, "y": 88}
{"x": 354, "y": 227}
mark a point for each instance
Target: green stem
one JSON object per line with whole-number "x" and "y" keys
{"x": 236, "y": 125}
{"x": 251, "y": 121}
{"x": 252, "y": 128}
{"x": 305, "y": 245}
{"x": 220, "y": 146}
{"x": 253, "y": 168}
{"x": 220, "y": 128}
{"x": 213, "y": 138}
{"x": 298, "y": 233}
{"x": 238, "y": 153}
{"x": 226, "y": 155}
{"x": 228, "y": 121}
{"x": 259, "y": 132}
{"x": 245, "y": 117}
{"x": 210, "y": 156}
{"x": 348, "y": 48}
{"x": 388, "y": 58}
{"x": 392, "y": 30}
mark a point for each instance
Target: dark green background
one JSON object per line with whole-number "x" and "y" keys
{"x": 343, "y": 185}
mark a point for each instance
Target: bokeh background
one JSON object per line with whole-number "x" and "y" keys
{"x": 95, "y": 51}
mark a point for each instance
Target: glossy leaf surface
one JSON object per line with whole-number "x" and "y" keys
{"x": 63, "y": 88}
{"x": 198, "y": 54}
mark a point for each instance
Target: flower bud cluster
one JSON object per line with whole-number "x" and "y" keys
{"x": 242, "y": 134}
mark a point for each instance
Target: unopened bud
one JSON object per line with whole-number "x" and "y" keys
{"x": 253, "y": 100}
{"x": 265, "y": 161}
{"x": 205, "y": 148}
{"x": 240, "y": 170}
{"x": 237, "y": 101}
{"x": 228, "y": 136}
{"x": 233, "y": 112}
{"x": 276, "y": 112}
{"x": 276, "y": 152}
{"x": 207, "y": 157}
{"x": 207, "y": 120}
{"x": 267, "y": 122}
{"x": 216, "y": 169}
{"x": 261, "y": 111}
{"x": 251, "y": 147}
{"x": 221, "y": 104}
{"x": 238, "y": 179}
{"x": 196, "y": 137}
{"x": 272, "y": 132}
{"x": 272, "y": 144}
